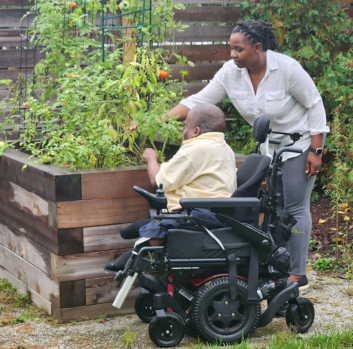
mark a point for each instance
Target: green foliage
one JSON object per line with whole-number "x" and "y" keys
{"x": 240, "y": 137}
{"x": 323, "y": 264}
{"x": 78, "y": 107}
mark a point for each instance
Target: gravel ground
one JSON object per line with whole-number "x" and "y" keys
{"x": 332, "y": 298}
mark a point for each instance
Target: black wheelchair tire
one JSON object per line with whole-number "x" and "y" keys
{"x": 144, "y": 308}
{"x": 299, "y": 318}
{"x": 212, "y": 299}
{"x": 176, "y": 326}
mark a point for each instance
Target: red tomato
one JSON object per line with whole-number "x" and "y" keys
{"x": 163, "y": 74}
{"x": 26, "y": 105}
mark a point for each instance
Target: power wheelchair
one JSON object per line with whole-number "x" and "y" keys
{"x": 216, "y": 280}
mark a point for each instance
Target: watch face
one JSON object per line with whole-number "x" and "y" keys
{"x": 319, "y": 151}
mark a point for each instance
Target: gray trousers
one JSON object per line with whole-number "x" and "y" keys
{"x": 296, "y": 191}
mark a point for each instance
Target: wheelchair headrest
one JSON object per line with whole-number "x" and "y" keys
{"x": 261, "y": 128}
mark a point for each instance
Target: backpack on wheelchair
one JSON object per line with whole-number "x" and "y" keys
{"x": 217, "y": 279}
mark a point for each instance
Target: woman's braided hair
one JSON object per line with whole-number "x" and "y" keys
{"x": 258, "y": 31}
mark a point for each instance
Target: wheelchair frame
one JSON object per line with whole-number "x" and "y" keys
{"x": 222, "y": 307}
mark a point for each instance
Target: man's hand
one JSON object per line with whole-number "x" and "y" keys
{"x": 313, "y": 164}
{"x": 148, "y": 155}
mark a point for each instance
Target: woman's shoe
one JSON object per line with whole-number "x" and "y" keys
{"x": 303, "y": 283}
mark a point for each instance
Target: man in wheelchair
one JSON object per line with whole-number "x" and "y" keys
{"x": 204, "y": 167}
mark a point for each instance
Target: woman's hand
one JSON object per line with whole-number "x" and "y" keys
{"x": 149, "y": 155}
{"x": 313, "y": 164}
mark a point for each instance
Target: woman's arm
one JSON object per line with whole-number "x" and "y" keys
{"x": 179, "y": 110}
{"x": 313, "y": 161}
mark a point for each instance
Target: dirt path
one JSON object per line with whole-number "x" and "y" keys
{"x": 332, "y": 298}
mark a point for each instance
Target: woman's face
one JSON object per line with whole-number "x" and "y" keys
{"x": 243, "y": 52}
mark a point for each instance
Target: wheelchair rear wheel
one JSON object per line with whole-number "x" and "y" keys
{"x": 217, "y": 318}
{"x": 144, "y": 308}
{"x": 169, "y": 336}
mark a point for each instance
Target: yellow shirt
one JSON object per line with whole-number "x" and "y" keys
{"x": 203, "y": 167}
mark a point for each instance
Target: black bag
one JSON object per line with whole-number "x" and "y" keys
{"x": 279, "y": 262}
{"x": 281, "y": 225}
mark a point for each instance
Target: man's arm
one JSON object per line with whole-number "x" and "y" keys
{"x": 149, "y": 156}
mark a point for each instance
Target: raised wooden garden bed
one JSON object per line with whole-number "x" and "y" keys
{"x": 58, "y": 228}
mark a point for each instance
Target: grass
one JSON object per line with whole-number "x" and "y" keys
{"x": 288, "y": 340}
{"x": 16, "y": 308}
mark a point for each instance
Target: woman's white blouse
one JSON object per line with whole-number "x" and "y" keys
{"x": 286, "y": 95}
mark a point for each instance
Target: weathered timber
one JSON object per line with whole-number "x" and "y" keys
{"x": 89, "y": 213}
{"x": 45, "y": 180}
{"x": 30, "y": 275}
{"x": 105, "y": 237}
{"x": 114, "y": 184}
{"x": 93, "y": 311}
{"x": 193, "y": 88}
{"x": 201, "y": 71}
{"x": 24, "y": 200}
{"x": 28, "y": 225}
{"x": 198, "y": 33}
{"x": 103, "y": 290}
{"x": 70, "y": 241}
{"x": 83, "y": 266}
{"x": 199, "y": 53}
{"x": 24, "y": 289}
{"x": 204, "y": 14}
{"x": 72, "y": 294}
{"x": 25, "y": 248}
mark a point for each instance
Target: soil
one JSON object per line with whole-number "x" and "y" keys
{"x": 325, "y": 231}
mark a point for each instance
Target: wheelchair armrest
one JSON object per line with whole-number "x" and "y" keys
{"x": 220, "y": 203}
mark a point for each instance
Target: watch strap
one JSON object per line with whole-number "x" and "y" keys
{"x": 317, "y": 151}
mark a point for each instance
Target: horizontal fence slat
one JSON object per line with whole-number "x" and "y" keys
{"x": 199, "y": 53}
{"x": 197, "y": 33}
{"x": 201, "y": 71}
{"x": 20, "y": 58}
{"x": 204, "y": 14}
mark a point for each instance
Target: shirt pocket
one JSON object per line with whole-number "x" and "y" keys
{"x": 274, "y": 102}
{"x": 240, "y": 99}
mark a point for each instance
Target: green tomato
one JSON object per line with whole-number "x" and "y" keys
{"x": 124, "y": 5}
{"x": 172, "y": 95}
{"x": 120, "y": 68}
{"x": 2, "y": 144}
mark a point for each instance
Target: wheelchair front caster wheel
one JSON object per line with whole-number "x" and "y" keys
{"x": 144, "y": 308}
{"x": 170, "y": 334}
{"x": 301, "y": 316}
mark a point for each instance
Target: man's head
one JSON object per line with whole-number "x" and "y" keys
{"x": 204, "y": 118}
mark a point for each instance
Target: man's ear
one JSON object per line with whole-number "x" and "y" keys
{"x": 197, "y": 131}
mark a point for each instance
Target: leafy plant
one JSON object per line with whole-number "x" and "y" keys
{"x": 79, "y": 107}
{"x": 323, "y": 264}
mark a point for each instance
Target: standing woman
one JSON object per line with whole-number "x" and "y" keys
{"x": 260, "y": 81}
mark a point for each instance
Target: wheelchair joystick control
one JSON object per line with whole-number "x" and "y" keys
{"x": 160, "y": 191}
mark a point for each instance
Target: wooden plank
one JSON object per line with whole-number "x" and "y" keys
{"x": 40, "y": 179}
{"x": 20, "y": 58}
{"x": 201, "y": 71}
{"x": 90, "y": 213}
{"x": 199, "y": 33}
{"x": 83, "y": 266}
{"x": 24, "y": 289}
{"x": 26, "y": 224}
{"x": 70, "y": 241}
{"x": 25, "y": 248}
{"x": 15, "y": 3}
{"x": 103, "y": 290}
{"x": 29, "y": 275}
{"x": 211, "y": 2}
{"x": 94, "y": 311}
{"x": 24, "y": 200}
{"x": 192, "y": 88}
{"x": 105, "y": 237}
{"x": 72, "y": 294}
{"x": 114, "y": 183}
{"x": 204, "y": 14}
{"x": 198, "y": 53}
{"x": 12, "y": 75}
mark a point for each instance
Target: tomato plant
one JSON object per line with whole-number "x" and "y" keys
{"x": 84, "y": 105}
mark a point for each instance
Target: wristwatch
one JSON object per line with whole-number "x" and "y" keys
{"x": 317, "y": 151}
